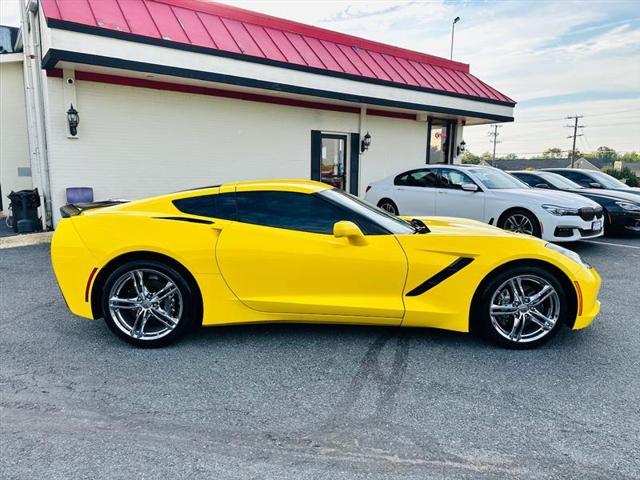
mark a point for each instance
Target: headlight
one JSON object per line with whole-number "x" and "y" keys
{"x": 557, "y": 210}
{"x": 568, "y": 253}
{"x": 628, "y": 206}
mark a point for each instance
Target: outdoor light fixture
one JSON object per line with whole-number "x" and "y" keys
{"x": 73, "y": 119}
{"x": 453, "y": 28}
{"x": 462, "y": 147}
{"x": 366, "y": 142}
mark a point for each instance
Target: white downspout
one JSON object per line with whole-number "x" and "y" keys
{"x": 363, "y": 131}
{"x": 34, "y": 100}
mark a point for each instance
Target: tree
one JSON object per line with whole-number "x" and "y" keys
{"x": 629, "y": 157}
{"x": 554, "y": 152}
{"x": 607, "y": 153}
{"x": 468, "y": 157}
{"x": 509, "y": 156}
{"x": 626, "y": 176}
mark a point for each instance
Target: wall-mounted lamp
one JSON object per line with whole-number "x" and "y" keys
{"x": 462, "y": 147}
{"x": 365, "y": 143}
{"x": 73, "y": 119}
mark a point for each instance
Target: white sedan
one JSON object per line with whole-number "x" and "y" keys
{"x": 491, "y": 196}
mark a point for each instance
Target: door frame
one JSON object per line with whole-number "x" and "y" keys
{"x": 352, "y": 154}
{"x": 450, "y": 139}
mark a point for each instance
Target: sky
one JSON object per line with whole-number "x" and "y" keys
{"x": 555, "y": 58}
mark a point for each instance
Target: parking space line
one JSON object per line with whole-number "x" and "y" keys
{"x": 613, "y": 244}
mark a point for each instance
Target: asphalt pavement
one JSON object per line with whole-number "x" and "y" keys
{"x": 317, "y": 402}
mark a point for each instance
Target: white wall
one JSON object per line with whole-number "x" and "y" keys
{"x": 14, "y": 147}
{"x": 136, "y": 142}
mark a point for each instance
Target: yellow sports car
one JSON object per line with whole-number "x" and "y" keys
{"x": 302, "y": 251}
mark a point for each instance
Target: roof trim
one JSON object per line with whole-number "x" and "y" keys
{"x": 229, "y": 94}
{"x": 54, "y": 56}
{"x": 104, "y": 32}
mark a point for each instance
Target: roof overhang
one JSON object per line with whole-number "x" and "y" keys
{"x": 70, "y": 45}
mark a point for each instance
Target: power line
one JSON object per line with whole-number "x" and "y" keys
{"x": 557, "y": 119}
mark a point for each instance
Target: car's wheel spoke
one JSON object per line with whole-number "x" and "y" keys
{"x": 541, "y": 320}
{"x": 517, "y": 328}
{"x": 503, "y": 309}
{"x": 542, "y": 295}
{"x": 138, "y": 283}
{"x": 168, "y": 290}
{"x": 164, "y": 318}
{"x": 137, "y": 330}
{"x": 123, "y": 303}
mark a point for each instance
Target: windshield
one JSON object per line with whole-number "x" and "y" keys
{"x": 495, "y": 179}
{"x": 392, "y": 223}
{"x": 559, "y": 181}
{"x": 607, "y": 181}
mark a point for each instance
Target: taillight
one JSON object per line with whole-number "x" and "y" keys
{"x": 368, "y": 188}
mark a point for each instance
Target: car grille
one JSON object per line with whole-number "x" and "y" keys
{"x": 588, "y": 213}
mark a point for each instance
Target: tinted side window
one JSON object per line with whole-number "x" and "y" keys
{"x": 530, "y": 180}
{"x": 454, "y": 179}
{"x": 579, "y": 178}
{"x": 222, "y": 205}
{"x": 297, "y": 211}
{"x": 416, "y": 178}
{"x": 525, "y": 178}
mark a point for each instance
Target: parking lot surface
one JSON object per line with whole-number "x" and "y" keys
{"x": 330, "y": 402}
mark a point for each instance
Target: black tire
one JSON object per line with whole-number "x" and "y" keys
{"x": 496, "y": 328}
{"x": 157, "y": 275}
{"x": 519, "y": 213}
{"x": 388, "y": 205}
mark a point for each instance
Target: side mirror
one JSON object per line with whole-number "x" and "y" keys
{"x": 595, "y": 185}
{"x": 542, "y": 185}
{"x": 469, "y": 187}
{"x": 349, "y": 230}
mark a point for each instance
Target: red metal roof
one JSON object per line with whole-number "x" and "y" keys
{"x": 229, "y": 29}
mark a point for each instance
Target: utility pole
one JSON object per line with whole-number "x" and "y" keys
{"x": 575, "y": 135}
{"x": 494, "y": 135}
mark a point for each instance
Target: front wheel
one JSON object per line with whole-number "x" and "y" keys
{"x": 522, "y": 308}
{"x": 147, "y": 303}
{"x": 521, "y": 221}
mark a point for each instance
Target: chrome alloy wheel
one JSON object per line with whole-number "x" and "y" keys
{"x": 519, "y": 223}
{"x": 145, "y": 304}
{"x": 524, "y": 308}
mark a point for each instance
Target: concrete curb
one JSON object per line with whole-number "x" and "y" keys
{"x": 25, "y": 240}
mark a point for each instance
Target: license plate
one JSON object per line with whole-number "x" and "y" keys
{"x": 596, "y": 225}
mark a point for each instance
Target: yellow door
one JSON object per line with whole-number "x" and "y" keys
{"x": 287, "y": 269}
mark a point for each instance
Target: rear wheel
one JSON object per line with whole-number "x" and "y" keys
{"x": 521, "y": 221}
{"x": 147, "y": 303}
{"x": 522, "y": 307}
{"x": 388, "y": 206}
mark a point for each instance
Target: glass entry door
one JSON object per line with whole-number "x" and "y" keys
{"x": 333, "y": 160}
{"x": 439, "y": 140}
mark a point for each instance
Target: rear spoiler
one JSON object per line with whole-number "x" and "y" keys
{"x": 73, "y": 209}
